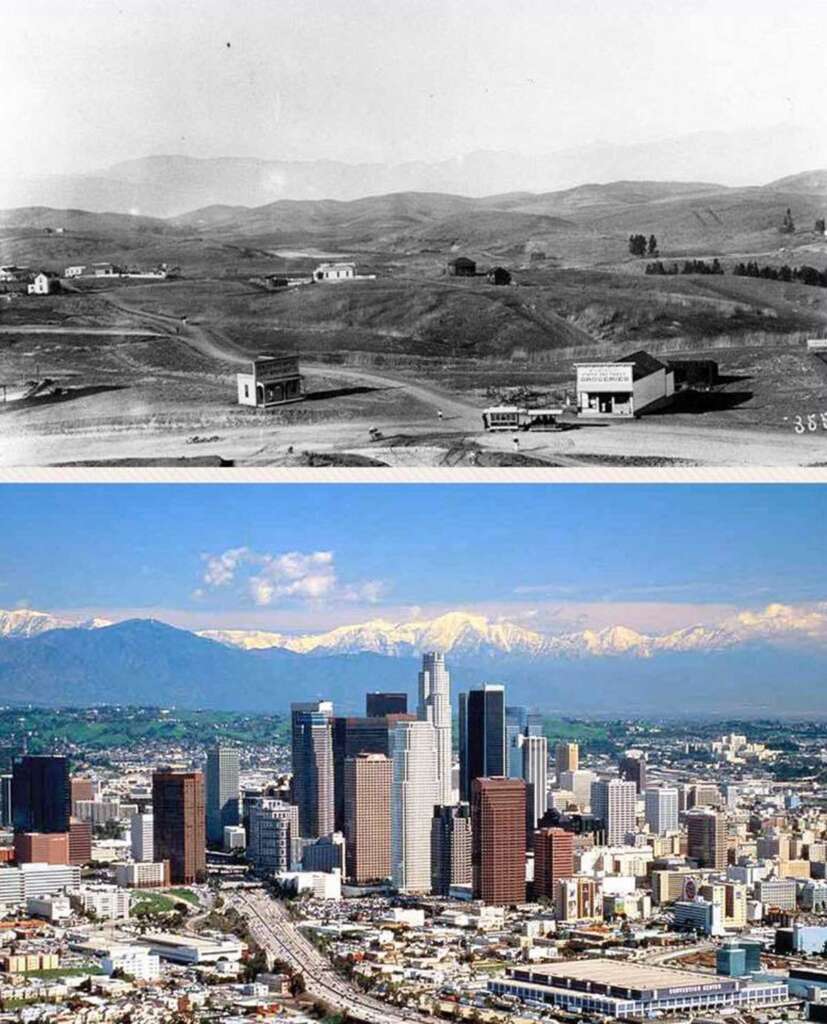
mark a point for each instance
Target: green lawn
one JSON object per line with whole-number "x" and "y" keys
{"x": 65, "y": 972}
{"x": 152, "y": 902}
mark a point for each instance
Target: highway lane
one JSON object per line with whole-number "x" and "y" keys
{"x": 272, "y": 928}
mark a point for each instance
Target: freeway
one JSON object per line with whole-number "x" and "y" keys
{"x": 273, "y": 930}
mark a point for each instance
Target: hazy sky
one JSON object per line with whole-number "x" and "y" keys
{"x": 307, "y": 557}
{"x": 90, "y": 82}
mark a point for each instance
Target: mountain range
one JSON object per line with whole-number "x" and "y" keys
{"x": 768, "y": 662}
{"x": 170, "y": 185}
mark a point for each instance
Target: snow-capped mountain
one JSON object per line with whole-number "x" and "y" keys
{"x": 23, "y": 622}
{"x": 464, "y": 634}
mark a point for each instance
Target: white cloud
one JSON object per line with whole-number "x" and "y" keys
{"x": 221, "y": 569}
{"x": 293, "y": 575}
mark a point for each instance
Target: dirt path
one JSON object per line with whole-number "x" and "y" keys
{"x": 58, "y": 329}
{"x": 208, "y": 342}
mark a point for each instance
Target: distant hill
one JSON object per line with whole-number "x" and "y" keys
{"x": 814, "y": 182}
{"x": 167, "y": 185}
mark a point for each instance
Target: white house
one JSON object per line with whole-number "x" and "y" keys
{"x": 335, "y": 272}
{"x": 75, "y": 271}
{"x": 622, "y": 387}
{"x": 41, "y": 284}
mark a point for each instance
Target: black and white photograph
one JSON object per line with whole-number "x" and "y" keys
{"x": 417, "y": 234}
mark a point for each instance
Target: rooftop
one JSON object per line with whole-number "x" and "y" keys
{"x": 623, "y": 974}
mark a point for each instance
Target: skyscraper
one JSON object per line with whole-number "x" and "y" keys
{"x": 516, "y": 717}
{"x": 368, "y": 782}
{"x": 498, "y": 839}
{"x": 662, "y": 809}
{"x": 142, "y": 836}
{"x": 223, "y": 791}
{"x": 179, "y": 824}
{"x": 413, "y": 747}
{"x": 485, "y": 754}
{"x": 535, "y": 776}
{"x": 566, "y": 758}
{"x": 273, "y": 840}
{"x": 462, "y": 730}
{"x": 613, "y": 802}
{"x": 5, "y": 801}
{"x": 312, "y": 759}
{"x": 450, "y": 848}
{"x": 553, "y": 860}
{"x": 354, "y": 736}
{"x": 377, "y": 705}
{"x": 633, "y": 769}
{"x": 41, "y": 794}
{"x": 706, "y": 838}
{"x": 435, "y": 707}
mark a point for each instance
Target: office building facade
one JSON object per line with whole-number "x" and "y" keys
{"x": 312, "y": 762}
{"x": 368, "y": 783}
{"x": 435, "y": 707}
{"x": 498, "y": 832}
{"x": 179, "y": 824}
{"x": 484, "y": 751}
{"x": 41, "y": 794}
{"x": 613, "y": 803}
{"x": 223, "y": 791}
{"x": 450, "y": 848}
{"x": 413, "y": 797}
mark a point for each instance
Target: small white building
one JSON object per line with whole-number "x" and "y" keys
{"x": 192, "y": 949}
{"x": 76, "y": 271}
{"x": 106, "y": 902}
{"x": 142, "y": 875}
{"x": 50, "y": 908}
{"x": 41, "y": 284}
{"x": 136, "y": 961}
{"x": 273, "y": 380}
{"x": 324, "y": 885}
{"x": 235, "y": 838}
{"x": 335, "y": 272}
{"x": 623, "y": 388}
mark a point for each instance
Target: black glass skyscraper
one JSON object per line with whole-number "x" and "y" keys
{"x": 41, "y": 794}
{"x": 483, "y": 736}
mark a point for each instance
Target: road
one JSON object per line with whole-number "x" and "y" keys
{"x": 273, "y": 930}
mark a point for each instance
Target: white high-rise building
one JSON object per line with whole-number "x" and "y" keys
{"x": 414, "y": 795}
{"x": 613, "y": 802}
{"x": 535, "y": 774}
{"x": 578, "y": 782}
{"x": 662, "y": 809}
{"x": 141, "y": 833}
{"x": 273, "y": 840}
{"x": 435, "y": 707}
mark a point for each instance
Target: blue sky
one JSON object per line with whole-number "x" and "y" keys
{"x": 313, "y": 556}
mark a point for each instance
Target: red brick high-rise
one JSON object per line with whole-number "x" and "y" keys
{"x": 553, "y": 860}
{"x": 498, "y": 829}
{"x": 41, "y": 847}
{"x": 80, "y": 842}
{"x": 179, "y": 824}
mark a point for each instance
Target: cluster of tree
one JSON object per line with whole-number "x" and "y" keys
{"x": 689, "y": 267}
{"x": 805, "y": 274}
{"x": 788, "y": 224}
{"x": 820, "y": 226}
{"x": 639, "y": 246}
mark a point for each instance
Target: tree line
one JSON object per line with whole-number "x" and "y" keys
{"x": 689, "y": 267}
{"x": 805, "y": 275}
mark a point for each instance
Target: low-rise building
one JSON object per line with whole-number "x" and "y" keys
{"x": 272, "y": 380}
{"x": 142, "y": 874}
{"x": 624, "y": 387}
{"x": 106, "y": 902}
{"x": 189, "y": 949}
{"x": 622, "y": 989}
{"x": 136, "y": 961}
